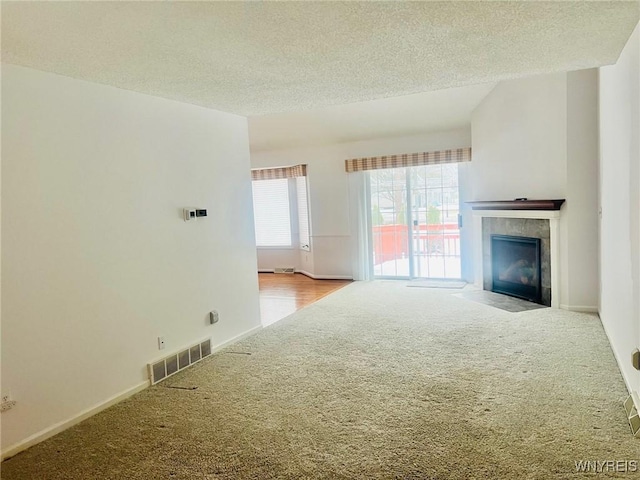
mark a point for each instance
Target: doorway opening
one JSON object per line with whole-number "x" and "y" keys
{"x": 414, "y": 222}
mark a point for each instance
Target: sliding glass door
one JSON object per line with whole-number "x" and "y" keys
{"x": 414, "y": 222}
{"x": 435, "y": 234}
{"x": 389, "y": 228}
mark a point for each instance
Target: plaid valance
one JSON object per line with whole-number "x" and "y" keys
{"x": 280, "y": 172}
{"x": 408, "y": 160}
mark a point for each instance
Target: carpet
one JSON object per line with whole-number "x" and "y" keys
{"x": 375, "y": 381}
{"x": 436, "y": 283}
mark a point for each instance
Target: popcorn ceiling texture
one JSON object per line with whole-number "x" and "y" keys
{"x": 375, "y": 381}
{"x": 255, "y": 58}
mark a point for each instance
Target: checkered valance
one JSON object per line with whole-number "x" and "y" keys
{"x": 455, "y": 155}
{"x": 280, "y": 172}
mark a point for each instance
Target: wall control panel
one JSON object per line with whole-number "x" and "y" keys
{"x": 191, "y": 214}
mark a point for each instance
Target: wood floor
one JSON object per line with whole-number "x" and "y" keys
{"x": 283, "y": 294}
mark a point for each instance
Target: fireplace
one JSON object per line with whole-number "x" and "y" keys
{"x": 538, "y": 219}
{"x": 516, "y": 267}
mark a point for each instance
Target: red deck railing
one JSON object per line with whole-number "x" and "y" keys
{"x": 390, "y": 242}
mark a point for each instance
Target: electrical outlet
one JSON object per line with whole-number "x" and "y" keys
{"x": 213, "y": 317}
{"x": 160, "y": 343}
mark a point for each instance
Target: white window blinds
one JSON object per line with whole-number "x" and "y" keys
{"x": 271, "y": 209}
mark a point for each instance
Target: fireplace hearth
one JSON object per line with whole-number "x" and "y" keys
{"x": 516, "y": 266}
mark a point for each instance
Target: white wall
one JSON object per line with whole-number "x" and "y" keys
{"x": 270, "y": 258}
{"x": 97, "y": 261}
{"x": 519, "y": 140}
{"x": 581, "y": 208}
{"x": 620, "y": 203}
{"x": 331, "y": 234}
{"x": 535, "y": 138}
{"x": 519, "y": 145}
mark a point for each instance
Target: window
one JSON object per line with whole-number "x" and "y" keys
{"x": 272, "y": 209}
{"x": 303, "y": 212}
{"x": 281, "y": 207}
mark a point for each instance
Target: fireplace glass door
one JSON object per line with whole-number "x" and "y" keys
{"x": 515, "y": 266}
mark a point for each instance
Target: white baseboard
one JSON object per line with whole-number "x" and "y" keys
{"x": 89, "y": 412}
{"x": 311, "y": 275}
{"x": 579, "y": 308}
{"x": 70, "y": 422}
{"x": 333, "y": 277}
{"x": 237, "y": 338}
{"x": 619, "y": 361}
{"x": 325, "y": 277}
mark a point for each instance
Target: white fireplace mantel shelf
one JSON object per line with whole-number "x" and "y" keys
{"x": 554, "y": 243}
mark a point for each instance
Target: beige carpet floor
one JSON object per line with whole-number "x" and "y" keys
{"x": 374, "y": 381}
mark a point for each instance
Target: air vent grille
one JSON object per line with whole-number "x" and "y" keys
{"x": 284, "y": 270}
{"x": 171, "y": 364}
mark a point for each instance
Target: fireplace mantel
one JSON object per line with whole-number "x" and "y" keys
{"x": 523, "y": 204}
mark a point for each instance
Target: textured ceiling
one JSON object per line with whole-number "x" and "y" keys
{"x": 374, "y": 119}
{"x": 254, "y": 58}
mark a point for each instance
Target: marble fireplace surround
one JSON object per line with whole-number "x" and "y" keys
{"x": 517, "y": 210}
